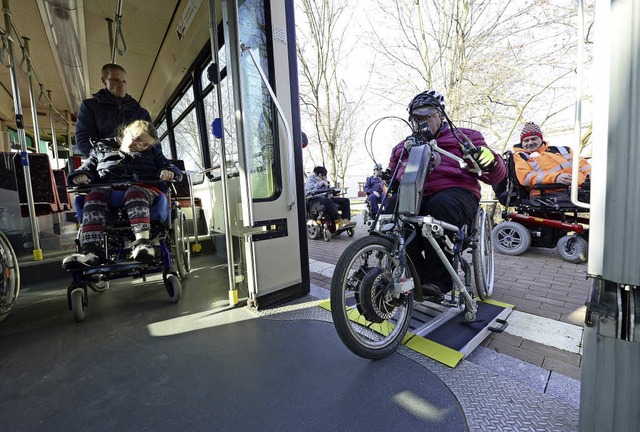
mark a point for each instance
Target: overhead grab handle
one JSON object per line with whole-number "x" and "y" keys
{"x": 292, "y": 183}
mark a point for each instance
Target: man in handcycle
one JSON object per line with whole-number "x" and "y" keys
{"x": 134, "y": 156}
{"x": 451, "y": 192}
{"x": 319, "y": 194}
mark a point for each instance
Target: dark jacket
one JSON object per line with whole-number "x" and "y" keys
{"x": 373, "y": 184}
{"x": 108, "y": 164}
{"x": 100, "y": 116}
{"x": 448, "y": 173}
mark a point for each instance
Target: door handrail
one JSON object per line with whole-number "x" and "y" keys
{"x": 287, "y": 128}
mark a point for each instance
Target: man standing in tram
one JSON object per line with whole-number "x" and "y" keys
{"x": 100, "y": 116}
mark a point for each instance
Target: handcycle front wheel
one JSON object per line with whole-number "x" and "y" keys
{"x": 370, "y": 320}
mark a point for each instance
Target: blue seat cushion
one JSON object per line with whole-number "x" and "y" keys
{"x": 159, "y": 210}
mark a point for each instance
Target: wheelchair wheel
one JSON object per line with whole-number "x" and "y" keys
{"x": 181, "y": 249}
{"x": 573, "y": 248}
{"x": 370, "y": 320}
{"x": 511, "y": 238}
{"x": 482, "y": 255}
{"x": 174, "y": 288}
{"x": 326, "y": 234}
{"x": 314, "y": 231}
{"x": 78, "y": 304}
{"x": 10, "y": 277}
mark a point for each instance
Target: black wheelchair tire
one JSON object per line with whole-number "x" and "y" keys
{"x": 10, "y": 277}
{"x": 482, "y": 255}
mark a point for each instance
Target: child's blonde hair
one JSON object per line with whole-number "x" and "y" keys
{"x": 137, "y": 128}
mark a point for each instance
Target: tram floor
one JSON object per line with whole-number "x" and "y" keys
{"x": 138, "y": 362}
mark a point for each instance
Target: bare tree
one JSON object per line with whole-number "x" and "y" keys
{"x": 498, "y": 63}
{"x": 325, "y": 100}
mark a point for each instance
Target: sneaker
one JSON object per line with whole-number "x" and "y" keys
{"x": 432, "y": 291}
{"x": 88, "y": 256}
{"x": 344, "y": 223}
{"x": 143, "y": 251}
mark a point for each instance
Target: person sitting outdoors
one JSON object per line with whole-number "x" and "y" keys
{"x": 318, "y": 182}
{"x": 451, "y": 193}
{"x": 538, "y": 163}
{"x": 374, "y": 190}
{"x": 131, "y": 157}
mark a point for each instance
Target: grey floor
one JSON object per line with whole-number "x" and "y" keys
{"x": 138, "y": 362}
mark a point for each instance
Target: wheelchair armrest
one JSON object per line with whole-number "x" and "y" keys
{"x": 89, "y": 186}
{"x": 550, "y": 186}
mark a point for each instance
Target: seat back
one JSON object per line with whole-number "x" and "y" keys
{"x": 509, "y": 192}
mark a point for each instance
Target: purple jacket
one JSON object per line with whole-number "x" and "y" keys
{"x": 448, "y": 173}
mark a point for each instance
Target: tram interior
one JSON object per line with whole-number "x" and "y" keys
{"x": 59, "y": 49}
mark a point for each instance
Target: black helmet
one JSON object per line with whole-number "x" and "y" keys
{"x": 429, "y": 98}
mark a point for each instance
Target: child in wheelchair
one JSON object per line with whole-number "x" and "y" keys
{"x": 131, "y": 157}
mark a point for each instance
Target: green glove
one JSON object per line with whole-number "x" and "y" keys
{"x": 485, "y": 158}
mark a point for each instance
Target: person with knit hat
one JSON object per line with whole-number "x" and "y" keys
{"x": 538, "y": 163}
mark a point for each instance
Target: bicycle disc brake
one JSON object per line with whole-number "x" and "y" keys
{"x": 371, "y": 295}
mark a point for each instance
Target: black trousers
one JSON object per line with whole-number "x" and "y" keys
{"x": 456, "y": 206}
{"x": 345, "y": 206}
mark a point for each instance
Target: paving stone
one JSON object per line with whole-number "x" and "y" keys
{"x": 563, "y": 356}
{"x": 561, "y": 367}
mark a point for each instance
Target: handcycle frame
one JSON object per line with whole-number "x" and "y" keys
{"x": 372, "y": 305}
{"x": 174, "y": 259}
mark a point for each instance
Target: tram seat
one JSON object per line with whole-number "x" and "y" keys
{"x": 60, "y": 177}
{"x": 45, "y": 192}
{"x": 183, "y": 196}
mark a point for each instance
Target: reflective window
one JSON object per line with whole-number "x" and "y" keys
{"x": 258, "y": 109}
{"x": 188, "y": 139}
{"x": 185, "y": 101}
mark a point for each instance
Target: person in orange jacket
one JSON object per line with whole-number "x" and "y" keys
{"x": 538, "y": 163}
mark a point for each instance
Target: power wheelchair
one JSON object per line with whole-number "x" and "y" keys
{"x": 548, "y": 220}
{"x": 173, "y": 251}
{"x": 375, "y": 283}
{"x": 319, "y": 224}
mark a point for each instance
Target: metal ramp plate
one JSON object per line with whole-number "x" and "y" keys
{"x": 443, "y": 334}
{"x": 448, "y": 329}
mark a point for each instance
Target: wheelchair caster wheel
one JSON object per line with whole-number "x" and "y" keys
{"x": 326, "y": 234}
{"x": 350, "y": 232}
{"x": 78, "y": 304}
{"x": 174, "y": 288}
{"x": 469, "y": 316}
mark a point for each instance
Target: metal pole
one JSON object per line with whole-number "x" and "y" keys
{"x": 22, "y": 139}
{"x": 54, "y": 141}
{"x": 115, "y": 39}
{"x": 32, "y": 99}
{"x": 213, "y": 38}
